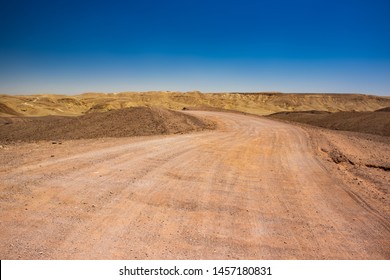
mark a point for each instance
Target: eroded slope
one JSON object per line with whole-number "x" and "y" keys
{"x": 255, "y": 103}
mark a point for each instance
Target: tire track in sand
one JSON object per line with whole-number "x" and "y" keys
{"x": 250, "y": 190}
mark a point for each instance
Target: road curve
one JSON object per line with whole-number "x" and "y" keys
{"x": 252, "y": 189}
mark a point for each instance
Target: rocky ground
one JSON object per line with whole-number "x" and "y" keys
{"x": 254, "y": 188}
{"x": 377, "y": 122}
{"x": 136, "y": 121}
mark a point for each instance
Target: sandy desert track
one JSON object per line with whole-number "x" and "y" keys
{"x": 252, "y": 189}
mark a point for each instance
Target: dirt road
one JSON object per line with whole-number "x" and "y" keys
{"x": 252, "y": 189}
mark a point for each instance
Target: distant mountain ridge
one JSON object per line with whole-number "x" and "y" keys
{"x": 261, "y": 103}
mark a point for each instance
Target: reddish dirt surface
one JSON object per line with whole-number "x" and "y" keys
{"x": 254, "y": 188}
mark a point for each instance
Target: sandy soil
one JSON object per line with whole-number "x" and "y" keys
{"x": 253, "y": 189}
{"x": 361, "y": 161}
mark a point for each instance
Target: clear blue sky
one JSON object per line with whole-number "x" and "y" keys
{"x": 246, "y": 45}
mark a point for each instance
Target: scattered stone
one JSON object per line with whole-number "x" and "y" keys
{"x": 338, "y": 157}
{"x": 325, "y": 150}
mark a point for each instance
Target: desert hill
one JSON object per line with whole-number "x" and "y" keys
{"x": 137, "y": 121}
{"x": 377, "y": 122}
{"x": 255, "y": 103}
